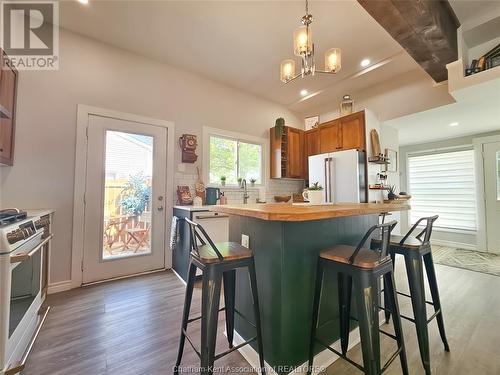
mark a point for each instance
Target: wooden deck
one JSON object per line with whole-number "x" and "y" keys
{"x": 132, "y": 327}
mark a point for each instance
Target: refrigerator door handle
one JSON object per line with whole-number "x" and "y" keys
{"x": 327, "y": 176}
{"x": 330, "y": 180}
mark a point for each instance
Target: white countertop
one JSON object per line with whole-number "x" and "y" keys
{"x": 194, "y": 208}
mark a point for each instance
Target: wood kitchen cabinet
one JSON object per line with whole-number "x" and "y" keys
{"x": 330, "y": 136}
{"x": 344, "y": 133}
{"x": 353, "y": 131}
{"x": 287, "y": 153}
{"x": 8, "y": 93}
{"x": 312, "y": 142}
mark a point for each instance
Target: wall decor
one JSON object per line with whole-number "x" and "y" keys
{"x": 311, "y": 122}
{"x": 184, "y": 197}
{"x": 392, "y": 156}
{"x": 188, "y": 144}
{"x": 346, "y": 105}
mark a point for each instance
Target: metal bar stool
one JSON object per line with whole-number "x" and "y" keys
{"x": 218, "y": 263}
{"x": 362, "y": 268}
{"x": 417, "y": 254}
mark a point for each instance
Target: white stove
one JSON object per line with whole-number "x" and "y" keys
{"x": 24, "y": 250}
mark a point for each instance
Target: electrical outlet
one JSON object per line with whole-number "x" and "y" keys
{"x": 245, "y": 241}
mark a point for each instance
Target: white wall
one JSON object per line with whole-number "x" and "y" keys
{"x": 99, "y": 75}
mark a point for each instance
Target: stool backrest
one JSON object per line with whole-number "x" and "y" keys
{"x": 385, "y": 236}
{"x": 425, "y": 233}
{"x": 197, "y": 232}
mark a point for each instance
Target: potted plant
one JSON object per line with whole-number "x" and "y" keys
{"x": 314, "y": 193}
{"x": 391, "y": 195}
{"x": 223, "y": 180}
{"x": 279, "y": 127}
{"x": 239, "y": 181}
{"x": 253, "y": 181}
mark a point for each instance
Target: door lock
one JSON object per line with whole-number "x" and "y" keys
{"x": 160, "y": 208}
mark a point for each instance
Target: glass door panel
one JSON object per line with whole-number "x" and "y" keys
{"x": 127, "y": 195}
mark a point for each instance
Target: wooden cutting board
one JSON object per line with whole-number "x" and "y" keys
{"x": 375, "y": 143}
{"x": 200, "y": 186}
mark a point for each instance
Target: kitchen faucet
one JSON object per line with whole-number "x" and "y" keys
{"x": 245, "y": 193}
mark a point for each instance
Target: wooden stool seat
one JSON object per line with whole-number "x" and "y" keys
{"x": 229, "y": 250}
{"x": 366, "y": 258}
{"x": 412, "y": 243}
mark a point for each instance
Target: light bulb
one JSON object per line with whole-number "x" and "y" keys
{"x": 302, "y": 41}
{"x": 333, "y": 60}
{"x": 287, "y": 70}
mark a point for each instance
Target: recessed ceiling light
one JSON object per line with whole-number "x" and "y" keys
{"x": 83, "y": 1}
{"x": 454, "y": 124}
{"x": 303, "y": 92}
{"x": 365, "y": 62}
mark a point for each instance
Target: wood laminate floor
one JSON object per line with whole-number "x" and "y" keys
{"x": 132, "y": 327}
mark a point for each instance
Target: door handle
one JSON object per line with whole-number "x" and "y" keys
{"x": 160, "y": 208}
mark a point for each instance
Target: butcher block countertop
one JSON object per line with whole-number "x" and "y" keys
{"x": 289, "y": 212}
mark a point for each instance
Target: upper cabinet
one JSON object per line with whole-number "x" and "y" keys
{"x": 290, "y": 152}
{"x": 8, "y": 92}
{"x": 287, "y": 153}
{"x": 353, "y": 131}
{"x": 330, "y": 136}
{"x": 344, "y": 133}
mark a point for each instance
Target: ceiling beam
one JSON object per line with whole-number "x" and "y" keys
{"x": 426, "y": 29}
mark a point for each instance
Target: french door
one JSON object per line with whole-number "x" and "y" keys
{"x": 125, "y": 187}
{"x": 492, "y": 194}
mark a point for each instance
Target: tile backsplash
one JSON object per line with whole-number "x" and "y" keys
{"x": 235, "y": 195}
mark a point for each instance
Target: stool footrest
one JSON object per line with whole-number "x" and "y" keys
{"x": 199, "y": 317}
{"x": 218, "y": 356}
{"x": 357, "y": 365}
{"x": 191, "y": 343}
{"x": 409, "y": 296}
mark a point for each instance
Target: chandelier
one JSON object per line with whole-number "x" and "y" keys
{"x": 303, "y": 47}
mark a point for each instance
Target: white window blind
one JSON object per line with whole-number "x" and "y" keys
{"x": 443, "y": 184}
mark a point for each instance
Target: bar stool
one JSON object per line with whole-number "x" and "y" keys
{"x": 362, "y": 268}
{"x": 417, "y": 253}
{"x": 218, "y": 263}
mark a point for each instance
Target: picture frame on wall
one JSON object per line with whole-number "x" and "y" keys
{"x": 311, "y": 122}
{"x": 392, "y": 156}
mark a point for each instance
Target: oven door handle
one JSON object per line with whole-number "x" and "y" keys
{"x": 21, "y": 257}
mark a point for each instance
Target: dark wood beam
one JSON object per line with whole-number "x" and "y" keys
{"x": 426, "y": 29}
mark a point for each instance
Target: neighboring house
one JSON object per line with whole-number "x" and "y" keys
{"x": 128, "y": 155}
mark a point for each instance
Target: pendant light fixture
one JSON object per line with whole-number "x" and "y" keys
{"x": 303, "y": 47}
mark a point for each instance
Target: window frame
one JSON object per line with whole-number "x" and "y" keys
{"x": 435, "y": 151}
{"x": 238, "y": 137}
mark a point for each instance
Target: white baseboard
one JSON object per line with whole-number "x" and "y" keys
{"x": 458, "y": 245}
{"x": 321, "y": 360}
{"x": 60, "y": 286}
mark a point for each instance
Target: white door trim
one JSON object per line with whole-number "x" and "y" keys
{"x": 480, "y": 192}
{"x": 83, "y": 114}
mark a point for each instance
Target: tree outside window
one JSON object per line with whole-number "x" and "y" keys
{"x": 234, "y": 159}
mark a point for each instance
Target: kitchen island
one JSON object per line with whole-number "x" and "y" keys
{"x": 286, "y": 240}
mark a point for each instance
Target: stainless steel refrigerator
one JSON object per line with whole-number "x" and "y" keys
{"x": 342, "y": 175}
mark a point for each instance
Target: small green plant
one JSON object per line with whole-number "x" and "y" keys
{"x": 279, "y": 127}
{"x": 315, "y": 186}
{"x": 253, "y": 181}
{"x": 391, "y": 195}
{"x": 137, "y": 194}
{"x": 223, "y": 180}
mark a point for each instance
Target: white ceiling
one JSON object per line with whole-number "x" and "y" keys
{"x": 473, "y": 117}
{"x": 467, "y": 10}
{"x": 241, "y": 43}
